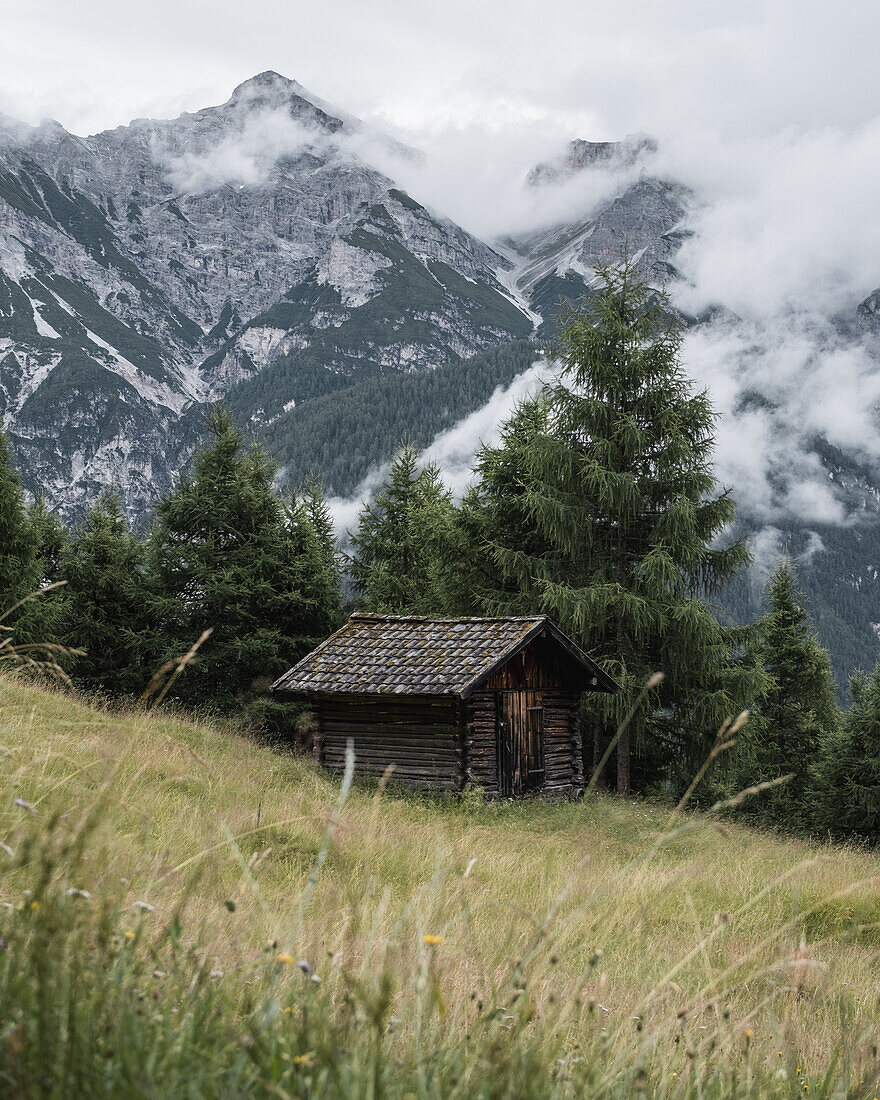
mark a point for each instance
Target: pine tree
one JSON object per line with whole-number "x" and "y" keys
{"x": 18, "y": 551}
{"x": 599, "y": 508}
{"x": 846, "y": 787}
{"x": 405, "y": 543}
{"x": 225, "y": 554}
{"x": 30, "y": 539}
{"x": 319, "y": 516}
{"x": 798, "y": 712}
{"x": 41, "y": 620}
{"x": 105, "y": 609}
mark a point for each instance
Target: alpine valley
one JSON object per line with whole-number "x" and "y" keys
{"x": 260, "y": 253}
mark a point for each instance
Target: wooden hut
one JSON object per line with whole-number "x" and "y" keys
{"x": 493, "y": 702}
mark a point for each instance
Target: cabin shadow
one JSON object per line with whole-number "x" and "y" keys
{"x": 449, "y": 703}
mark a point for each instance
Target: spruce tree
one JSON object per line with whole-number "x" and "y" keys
{"x": 30, "y": 541}
{"x": 18, "y": 550}
{"x": 226, "y": 555}
{"x": 798, "y": 712}
{"x": 405, "y": 543}
{"x": 318, "y": 513}
{"x": 105, "y": 609}
{"x": 846, "y": 798}
{"x": 599, "y": 508}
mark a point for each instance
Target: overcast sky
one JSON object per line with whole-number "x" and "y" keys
{"x": 585, "y": 67}
{"x": 769, "y": 110}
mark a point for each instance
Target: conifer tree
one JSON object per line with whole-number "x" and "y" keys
{"x": 798, "y": 712}
{"x": 41, "y": 619}
{"x": 847, "y": 778}
{"x": 18, "y": 550}
{"x": 599, "y": 508}
{"x": 30, "y": 541}
{"x": 404, "y": 546}
{"x": 105, "y": 609}
{"x": 225, "y": 554}
{"x": 318, "y": 513}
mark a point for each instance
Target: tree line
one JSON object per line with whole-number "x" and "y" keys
{"x": 597, "y": 507}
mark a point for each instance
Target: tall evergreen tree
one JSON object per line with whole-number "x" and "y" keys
{"x": 30, "y": 540}
{"x": 599, "y": 508}
{"x": 846, "y": 798}
{"x": 18, "y": 550}
{"x": 798, "y": 712}
{"x": 106, "y": 611}
{"x": 405, "y": 543}
{"x": 318, "y": 513}
{"x": 225, "y": 554}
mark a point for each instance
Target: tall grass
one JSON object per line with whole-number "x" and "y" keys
{"x": 186, "y": 913}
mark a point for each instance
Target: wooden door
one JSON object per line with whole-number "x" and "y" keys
{"x": 520, "y": 742}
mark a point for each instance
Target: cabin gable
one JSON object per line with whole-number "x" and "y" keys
{"x": 443, "y": 703}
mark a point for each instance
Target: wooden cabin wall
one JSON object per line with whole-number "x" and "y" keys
{"x": 421, "y": 737}
{"x": 563, "y": 751}
{"x": 481, "y": 740}
{"x": 543, "y": 664}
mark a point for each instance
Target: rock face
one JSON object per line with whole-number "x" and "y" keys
{"x": 254, "y": 252}
{"x": 148, "y": 269}
{"x": 582, "y": 154}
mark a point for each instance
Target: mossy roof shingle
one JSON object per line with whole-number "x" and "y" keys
{"x": 410, "y": 655}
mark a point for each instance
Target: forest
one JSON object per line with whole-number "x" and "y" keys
{"x": 597, "y": 507}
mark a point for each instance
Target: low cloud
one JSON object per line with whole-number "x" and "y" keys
{"x": 452, "y": 450}
{"x": 778, "y": 384}
{"x": 243, "y": 157}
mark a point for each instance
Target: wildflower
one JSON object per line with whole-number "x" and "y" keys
{"x": 73, "y": 892}
{"x": 433, "y": 941}
{"x": 158, "y": 973}
{"x": 35, "y": 905}
{"x": 144, "y": 906}
{"x": 284, "y": 957}
{"x": 31, "y": 809}
{"x": 315, "y": 978}
{"x": 305, "y": 966}
{"x": 303, "y": 1059}
{"x": 216, "y": 973}
{"x": 748, "y": 1033}
{"x": 129, "y": 935}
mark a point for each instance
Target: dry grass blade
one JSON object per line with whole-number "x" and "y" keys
{"x": 170, "y": 671}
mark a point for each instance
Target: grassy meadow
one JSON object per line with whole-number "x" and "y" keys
{"x": 187, "y": 913}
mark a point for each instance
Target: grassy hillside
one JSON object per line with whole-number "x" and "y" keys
{"x": 160, "y": 880}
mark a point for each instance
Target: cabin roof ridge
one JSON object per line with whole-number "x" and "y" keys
{"x": 374, "y": 654}
{"x": 378, "y": 616}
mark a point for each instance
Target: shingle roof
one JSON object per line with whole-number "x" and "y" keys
{"x": 410, "y": 655}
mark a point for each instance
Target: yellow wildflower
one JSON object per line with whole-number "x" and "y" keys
{"x": 284, "y": 957}
{"x": 749, "y": 1033}
{"x": 129, "y": 935}
{"x": 35, "y": 905}
{"x": 433, "y": 941}
{"x": 303, "y": 1059}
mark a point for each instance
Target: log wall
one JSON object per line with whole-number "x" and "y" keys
{"x": 421, "y": 737}
{"x": 481, "y": 741}
{"x": 563, "y": 751}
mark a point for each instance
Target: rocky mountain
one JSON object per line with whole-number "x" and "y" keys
{"x": 256, "y": 252}
{"x": 247, "y": 250}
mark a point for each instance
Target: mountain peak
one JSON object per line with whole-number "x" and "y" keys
{"x": 266, "y": 81}
{"x": 579, "y": 155}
